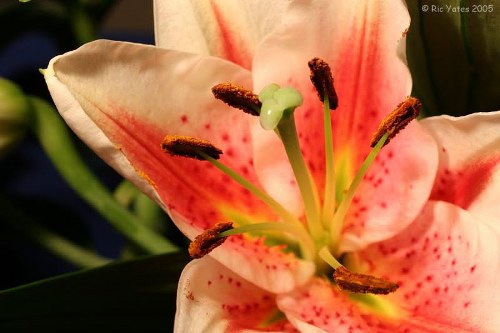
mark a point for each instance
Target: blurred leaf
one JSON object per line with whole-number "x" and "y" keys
{"x": 453, "y": 50}
{"x": 130, "y": 296}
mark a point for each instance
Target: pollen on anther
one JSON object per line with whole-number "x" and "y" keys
{"x": 205, "y": 242}
{"x": 362, "y": 283}
{"x": 322, "y": 79}
{"x": 238, "y": 97}
{"x": 404, "y": 113}
{"x": 186, "y": 146}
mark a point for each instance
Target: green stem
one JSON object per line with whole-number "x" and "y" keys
{"x": 125, "y": 193}
{"x": 338, "y": 219}
{"x": 83, "y": 25}
{"x": 149, "y": 212}
{"x": 57, "y": 143}
{"x": 288, "y": 134}
{"x": 329, "y": 199}
{"x": 49, "y": 240}
{"x": 144, "y": 208}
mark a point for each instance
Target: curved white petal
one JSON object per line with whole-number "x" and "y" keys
{"x": 469, "y": 162}
{"x": 122, "y": 99}
{"x": 230, "y": 29}
{"x": 212, "y": 298}
{"x": 111, "y": 94}
{"x": 394, "y": 189}
{"x": 322, "y": 307}
{"x": 359, "y": 39}
{"x": 91, "y": 133}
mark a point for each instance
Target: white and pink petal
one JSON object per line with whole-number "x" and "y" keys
{"x": 321, "y": 307}
{"x": 393, "y": 191}
{"x": 212, "y": 298}
{"x": 447, "y": 264}
{"x": 365, "y": 33}
{"x": 359, "y": 40}
{"x": 469, "y": 162}
{"x": 122, "y": 99}
{"x": 268, "y": 267}
{"x": 230, "y": 29}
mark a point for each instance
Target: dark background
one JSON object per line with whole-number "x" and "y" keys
{"x": 27, "y": 177}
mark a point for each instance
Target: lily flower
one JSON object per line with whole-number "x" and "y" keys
{"x": 318, "y": 218}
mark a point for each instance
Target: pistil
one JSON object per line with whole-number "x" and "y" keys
{"x": 277, "y": 113}
{"x": 288, "y": 133}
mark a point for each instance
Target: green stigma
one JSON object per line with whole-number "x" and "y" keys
{"x": 277, "y": 103}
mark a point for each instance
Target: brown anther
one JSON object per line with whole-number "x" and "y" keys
{"x": 210, "y": 239}
{"x": 238, "y": 97}
{"x": 186, "y": 146}
{"x": 362, "y": 283}
{"x": 322, "y": 79}
{"x": 404, "y": 113}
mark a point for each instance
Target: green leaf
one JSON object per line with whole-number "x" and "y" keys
{"x": 130, "y": 296}
{"x": 453, "y": 50}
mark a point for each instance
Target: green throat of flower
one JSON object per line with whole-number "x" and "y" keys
{"x": 318, "y": 233}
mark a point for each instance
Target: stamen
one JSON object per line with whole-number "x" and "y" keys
{"x": 266, "y": 198}
{"x": 299, "y": 234}
{"x": 238, "y": 97}
{"x": 362, "y": 283}
{"x": 204, "y": 150}
{"x": 329, "y": 190}
{"x": 322, "y": 79}
{"x": 186, "y": 146}
{"x": 325, "y": 254}
{"x": 211, "y": 238}
{"x": 338, "y": 218}
{"x": 404, "y": 113}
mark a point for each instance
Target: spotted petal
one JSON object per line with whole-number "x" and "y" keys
{"x": 228, "y": 29}
{"x": 469, "y": 162}
{"x": 113, "y": 96}
{"x": 447, "y": 264}
{"x": 321, "y": 307}
{"x": 359, "y": 39}
{"x": 211, "y": 298}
